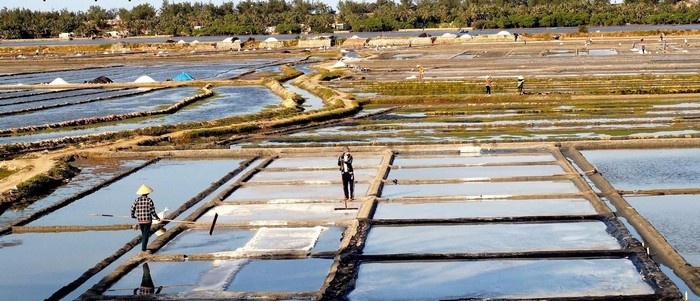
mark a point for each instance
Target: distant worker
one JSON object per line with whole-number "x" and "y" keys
{"x": 421, "y": 71}
{"x": 521, "y": 84}
{"x": 143, "y": 210}
{"x": 489, "y": 81}
{"x": 347, "y": 173}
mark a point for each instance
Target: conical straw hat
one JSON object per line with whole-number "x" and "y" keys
{"x": 144, "y": 189}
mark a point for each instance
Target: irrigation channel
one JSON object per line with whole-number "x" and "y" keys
{"x": 575, "y": 190}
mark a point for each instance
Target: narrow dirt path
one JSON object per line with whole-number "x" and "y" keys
{"x": 37, "y": 163}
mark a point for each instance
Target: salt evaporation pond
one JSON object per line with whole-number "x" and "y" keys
{"x": 640, "y": 169}
{"x": 676, "y": 218}
{"x": 522, "y": 278}
{"x": 310, "y": 176}
{"x": 35, "y": 265}
{"x": 271, "y": 275}
{"x": 277, "y": 193}
{"x": 274, "y": 214}
{"x": 471, "y": 159}
{"x": 220, "y": 70}
{"x": 489, "y": 238}
{"x": 144, "y": 102}
{"x": 232, "y": 101}
{"x": 195, "y": 241}
{"x": 91, "y": 174}
{"x": 478, "y": 189}
{"x": 311, "y": 101}
{"x": 54, "y": 100}
{"x": 173, "y": 181}
{"x": 483, "y": 208}
{"x": 359, "y": 160}
{"x": 475, "y": 173}
{"x": 293, "y": 275}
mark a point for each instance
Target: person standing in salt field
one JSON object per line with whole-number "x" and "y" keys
{"x": 489, "y": 81}
{"x": 521, "y": 85}
{"x": 347, "y": 173}
{"x": 142, "y": 210}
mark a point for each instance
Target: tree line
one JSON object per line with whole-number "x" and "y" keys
{"x": 254, "y": 17}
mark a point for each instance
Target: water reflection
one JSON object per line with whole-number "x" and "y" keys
{"x": 10, "y": 243}
{"x": 147, "y": 287}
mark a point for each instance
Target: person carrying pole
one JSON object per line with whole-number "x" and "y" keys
{"x": 346, "y": 171}
{"x": 143, "y": 210}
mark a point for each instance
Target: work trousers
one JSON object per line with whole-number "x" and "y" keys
{"x": 145, "y": 232}
{"x": 349, "y": 185}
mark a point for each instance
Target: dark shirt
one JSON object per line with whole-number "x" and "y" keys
{"x": 345, "y": 162}
{"x": 143, "y": 209}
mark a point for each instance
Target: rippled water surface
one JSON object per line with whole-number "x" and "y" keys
{"x": 632, "y": 169}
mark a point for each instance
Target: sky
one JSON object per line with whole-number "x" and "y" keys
{"x": 83, "y": 5}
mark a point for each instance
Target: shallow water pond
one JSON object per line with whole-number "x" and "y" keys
{"x": 639, "y": 169}
{"x": 469, "y": 159}
{"x": 432, "y": 280}
{"x": 131, "y": 104}
{"x": 228, "y": 240}
{"x": 173, "y": 181}
{"x": 292, "y": 275}
{"x": 35, "y": 265}
{"x": 294, "y": 192}
{"x": 675, "y": 217}
{"x": 262, "y": 214}
{"x": 478, "y": 189}
{"x": 310, "y": 176}
{"x": 475, "y": 172}
{"x": 232, "y": 101}
{"x": 483, "y": 208}
{"x": 331, "y": 160}
{"x": 489, "y": 238}
{"x": 92, "y": 173}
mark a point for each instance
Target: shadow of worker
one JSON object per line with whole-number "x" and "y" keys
{"x": 147, "y": 286}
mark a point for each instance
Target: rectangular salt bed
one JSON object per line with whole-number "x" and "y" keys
{"x": 475, "y": 172}
{"x": 294, "y": 192}
{"x": 489, "y": 238}
{"x": 532, "y": 279}
{"x": 311, "y": 176}
{"x": 483, "y": 208}
{"x": 36, "y": 265}
{"x": 359, "y": 159}
{"x": 469, "y": 159}
{"x": 228, "y": 240}
{"x": 173, "y": 181}
{"x": 279, "y": 214}
{"x": 676, "y": 218}
{"x": 642, "y": 169}
{"x": 479, "y": 189}
{"x": 293, "y": 275}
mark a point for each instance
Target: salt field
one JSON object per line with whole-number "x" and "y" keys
{"x": 544, "y": 199}
{"x": 279, "y": 240}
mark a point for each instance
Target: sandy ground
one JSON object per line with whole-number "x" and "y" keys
{"x": 34, "y": 164}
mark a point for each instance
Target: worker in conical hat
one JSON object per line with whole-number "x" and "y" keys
{"x": 144, "y": 211}
{"x": 144, "y": 189}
